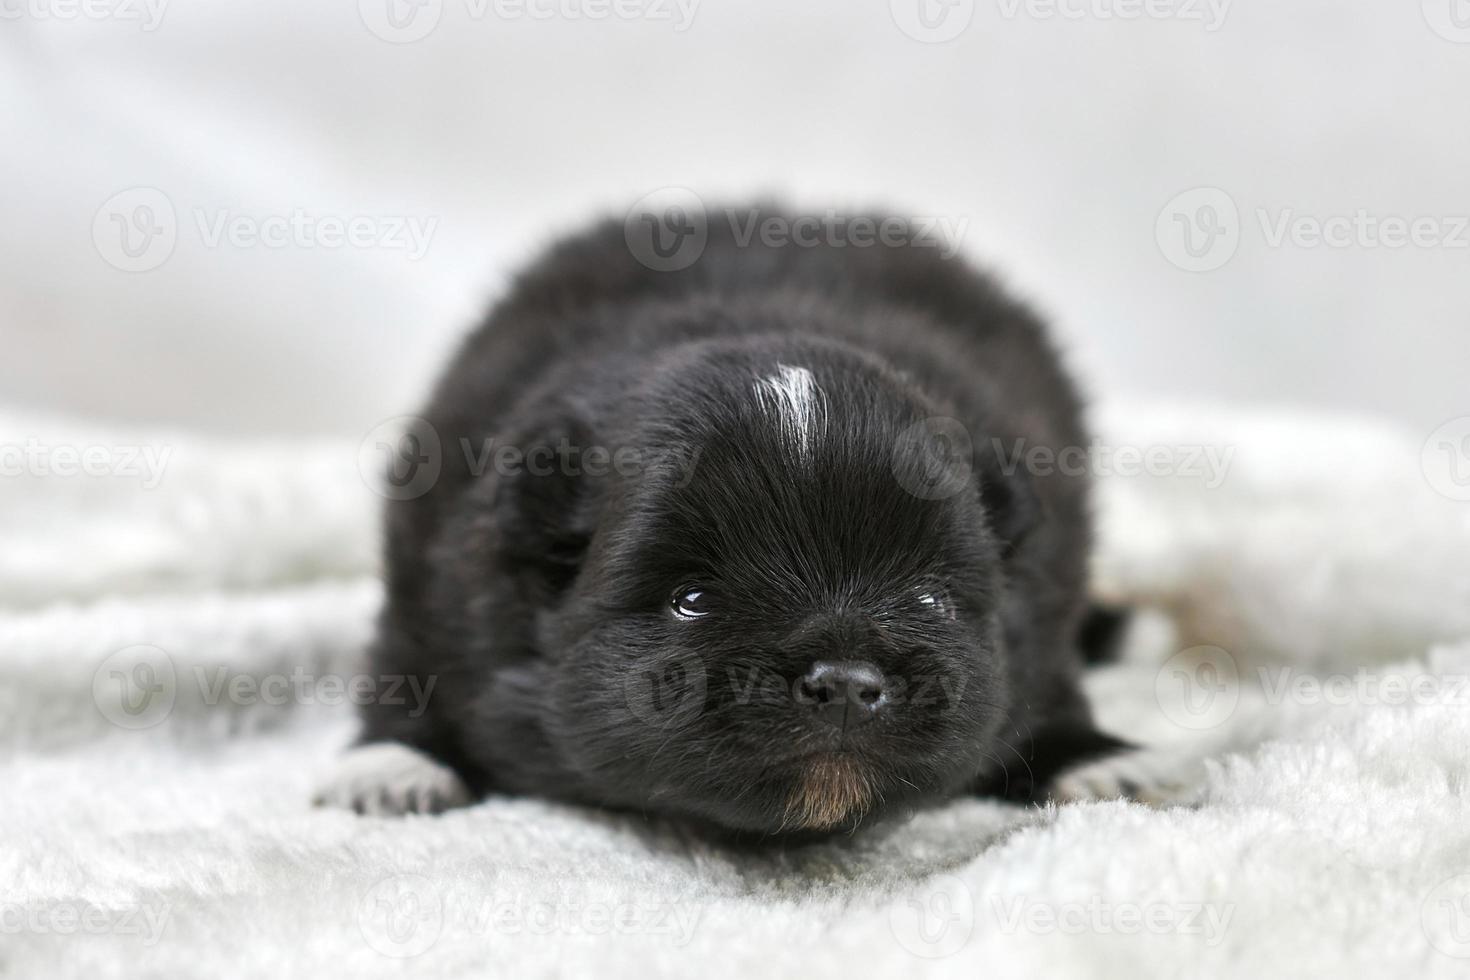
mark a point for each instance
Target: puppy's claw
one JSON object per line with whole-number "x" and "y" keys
{"x": 389, "y": 779}
{"x": 1152, "y": 777}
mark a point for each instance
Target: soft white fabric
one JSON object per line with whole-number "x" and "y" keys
{"x": 1325, "y": 836}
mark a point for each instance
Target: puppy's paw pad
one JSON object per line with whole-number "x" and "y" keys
{"x": 390, "y": 779}
{"x": 1152, "y": 777}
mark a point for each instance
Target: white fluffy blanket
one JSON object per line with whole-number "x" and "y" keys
{"x": 1327, "y": 833}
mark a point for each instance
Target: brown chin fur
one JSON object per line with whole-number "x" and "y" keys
{"x": 831, "y": 789}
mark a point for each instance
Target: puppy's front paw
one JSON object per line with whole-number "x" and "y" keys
{"x": 1152, "y": 776}
{"x": 391, "y": 779}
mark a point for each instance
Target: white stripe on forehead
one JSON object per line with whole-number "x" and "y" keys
{"x": 792, "y": 393}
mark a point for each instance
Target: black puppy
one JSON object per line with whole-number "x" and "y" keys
{"x": 738, "y": 543}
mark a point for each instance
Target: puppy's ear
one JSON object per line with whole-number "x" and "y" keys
{"x": 543, "y": 516}
{"x": 1010, "y": 500}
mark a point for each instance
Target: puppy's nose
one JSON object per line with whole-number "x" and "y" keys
{"x": 844, "y": 693}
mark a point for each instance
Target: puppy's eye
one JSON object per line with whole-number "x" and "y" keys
{"x": 937, "y": 602}
{"x": 692, "y": 603}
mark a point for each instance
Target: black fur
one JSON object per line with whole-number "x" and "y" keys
{"x": 1102, "y": 633}
{"x": 541, "y": 600}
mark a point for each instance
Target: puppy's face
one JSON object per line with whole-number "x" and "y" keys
{"x": 785, "y": 623}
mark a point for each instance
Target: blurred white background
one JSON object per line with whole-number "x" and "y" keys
{"x": 1060, "y": 131}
